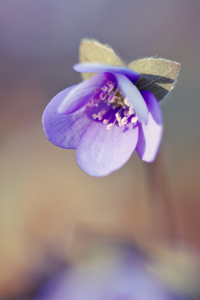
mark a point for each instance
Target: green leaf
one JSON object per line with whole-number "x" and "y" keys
{"x": 157, "y": 75}
{"x": 93, "y": 51}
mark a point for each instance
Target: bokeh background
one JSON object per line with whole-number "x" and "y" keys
{"x": 49, "y": 208}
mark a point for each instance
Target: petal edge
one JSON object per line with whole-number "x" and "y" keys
{"x": 134, "y": 96}
{"x": 102, "y": 68}
{"x": 63, "y": 130}
{"x": 101, "y": 152}
{"x": 150, "y": 135}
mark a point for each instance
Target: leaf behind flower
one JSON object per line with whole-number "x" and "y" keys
{"x": 157, "y": 75}
{"x": 93, "y": 51}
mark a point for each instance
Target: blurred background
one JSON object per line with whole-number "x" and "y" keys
{"x": 50, "y": 210}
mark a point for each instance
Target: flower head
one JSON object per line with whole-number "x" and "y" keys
{"x": 113, "y": 113}
{"x": 122, "y": 274}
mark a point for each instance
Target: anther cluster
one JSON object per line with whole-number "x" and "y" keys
{"x": 117, "y": 110}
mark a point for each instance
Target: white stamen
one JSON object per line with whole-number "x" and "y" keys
{"x": 91, "y": 103}
{"x": 131, "y": 112}
{"x": 134, "y": 119}
{"x": 109, "y": 126}
{"x": 126, "y": 102}
{"x": 94, "y": 116}
{"x": 124, "y": 121}
{"x": 111, "y": 98}
{"x": 103, "y": 96}
{"x": 99, "y": 116}
{"x": 105, "y": 121}
{"x": 104, "y": 88}
{"x": 111, "y": 87}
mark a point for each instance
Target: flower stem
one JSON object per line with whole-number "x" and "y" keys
{"x": 161, "y": 201}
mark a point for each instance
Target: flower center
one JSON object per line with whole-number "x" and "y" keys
{"x": 117, "y": 110}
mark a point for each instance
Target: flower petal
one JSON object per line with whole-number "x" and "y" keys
{"x": 101, "y": 151}
{"x": 64, "y": 130}
{"x": 101, "y": 68}
{"x": 150, "y": 135}
{"x": 81, "y": 94}
{"x": 134, "y": 96}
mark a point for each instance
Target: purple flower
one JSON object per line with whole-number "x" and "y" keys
{"x": 122, "y": 275}
{"x": 105, "y": 118}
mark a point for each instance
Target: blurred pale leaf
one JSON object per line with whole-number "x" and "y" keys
{"x": 157, "y": 75}
{"x": 93, "y": 51}
{"x": 178, "y": 266}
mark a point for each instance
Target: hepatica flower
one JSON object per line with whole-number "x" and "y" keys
{"x": 122, "y": 275}
{"x": 113, "y": 112}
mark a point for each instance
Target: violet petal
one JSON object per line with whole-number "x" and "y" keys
{"x": 150, "y": 135}
{"x": 64, "y": 130}
{"x": 134, "y": 96}
{"x": 81, "y": 94}
{"x": 101, "y": 151}
{"x": 101, "y": 68}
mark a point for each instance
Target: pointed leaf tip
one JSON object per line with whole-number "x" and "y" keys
{"x": 157, "y": 75}
{"x": 94, "y": 52}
